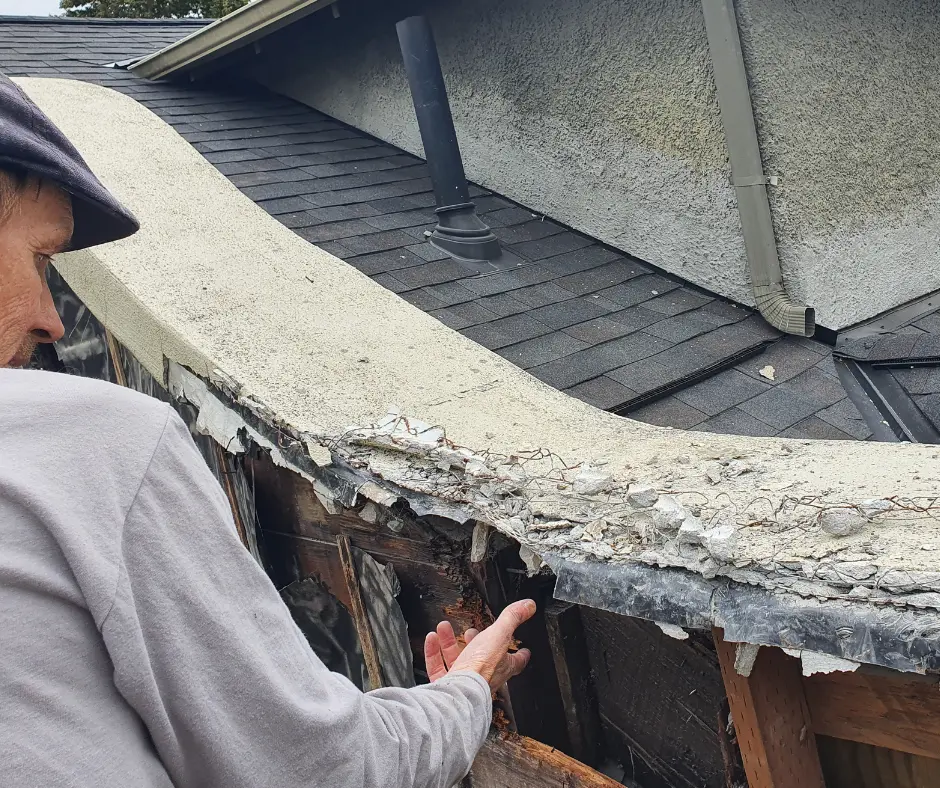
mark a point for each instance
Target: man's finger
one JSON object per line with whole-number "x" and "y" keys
{"x": 518, "y": 661}
{"x": 513, "y": 616}
{"x": 450, "y": 648}
{"x": 433, "y": 658}
{"x": 510, "y": 665}
{"x": 470, "y": 634}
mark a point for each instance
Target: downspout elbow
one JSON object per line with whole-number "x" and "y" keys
{"x": 782, "y": 313}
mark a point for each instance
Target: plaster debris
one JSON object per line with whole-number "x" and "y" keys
{"x": 595, "y": 529}
{"x": 768, "y": 372}
{"x": 875, "y": 506}
{"x": 479, "y": 542}
{"x": 672, "y": 630}
{"x": 737, "y": 468}
{"x": 815, "y": 662}
{"x": 318, "y": 453}
{"x": 328, "y": 502}
{"x": 691, "y": 532}
{"x": 641, "y": 496}
{"x": 378, "y": 494}
{"x": 370, "y": 513}
{"x": 720, "y": 542}
{"x": 668, "y": 513}
{"x": 533, "y": 561}
{"x": 745, "y": 655}
{"x": 591, "y": 481}
{"x": 842, "y": 522}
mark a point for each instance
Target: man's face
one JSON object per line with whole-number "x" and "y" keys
{"x": 39, "y": 226}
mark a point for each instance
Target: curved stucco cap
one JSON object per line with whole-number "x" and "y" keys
{"x": 213, "y": 283}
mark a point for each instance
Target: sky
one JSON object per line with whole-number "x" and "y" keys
{"x": 28, "y": 7}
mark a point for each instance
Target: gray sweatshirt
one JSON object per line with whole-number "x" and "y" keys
{"x": 140, "y": 644}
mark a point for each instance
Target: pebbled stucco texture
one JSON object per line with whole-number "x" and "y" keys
{"x": 603, "y": 114}
{"x": 600, "y": 113}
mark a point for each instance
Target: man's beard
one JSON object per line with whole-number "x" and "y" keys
{"x": 24, "y": 353}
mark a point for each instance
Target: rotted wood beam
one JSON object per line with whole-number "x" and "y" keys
{"x": 367, "y": 641}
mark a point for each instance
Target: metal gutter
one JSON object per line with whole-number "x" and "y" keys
{"x": 238, "y": 29}
{"x": 747, "y": 174}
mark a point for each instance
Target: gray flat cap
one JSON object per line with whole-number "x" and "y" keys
{"x": 30, "y": 141}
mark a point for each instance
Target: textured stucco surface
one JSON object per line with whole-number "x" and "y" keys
{"x": 311, "y": 345}
{"x": 846, "y": 100}
{"x": 603, "y": 114}
{"x": 600, "y": 113}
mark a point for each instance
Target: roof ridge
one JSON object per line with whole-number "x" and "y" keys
{"x": 92, "y": 20}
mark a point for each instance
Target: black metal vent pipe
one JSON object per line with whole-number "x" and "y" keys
{"x": 459, "y": 231}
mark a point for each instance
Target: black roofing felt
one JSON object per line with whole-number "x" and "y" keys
{"x": 578, "y": 315}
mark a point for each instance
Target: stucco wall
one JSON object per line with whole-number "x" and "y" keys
{"x": 603, "y": 114}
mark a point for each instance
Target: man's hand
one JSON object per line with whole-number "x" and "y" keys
{"x": 486, "y": 652}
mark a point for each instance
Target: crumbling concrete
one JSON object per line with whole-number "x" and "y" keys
{"x": 248, "y": 317}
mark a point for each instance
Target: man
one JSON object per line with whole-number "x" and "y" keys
{"x": 141, "y": 644}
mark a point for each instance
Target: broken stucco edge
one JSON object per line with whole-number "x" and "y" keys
{"x": 579, "y": 513}
{"x": 674, "y": 599}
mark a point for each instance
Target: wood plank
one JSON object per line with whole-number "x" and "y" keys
{"x": 511, "y": 761}
{"x": 116, "y": 365}
{"x": 360, "y": 616}
{"x": 849, "y": 764}
{"x": 573, "y": 669}
{"x": 225, "y": 479}
{"x": 898, "y": 712}
{"x": 771, "y": 719}
{"x": 427, "y": 596}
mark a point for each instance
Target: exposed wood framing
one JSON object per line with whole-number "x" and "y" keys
{"x": 228, "y": 488}
{"x": 519, "y": 762}
{"x": 849, "y": 764}
{"x": 114, "y": 352}
{"x": 369, "y": 651}
{"x": 897, "y": 712}
{"x": 771, "y": 719}
{"x": 300, "y": 541}
{"x": 573, "y": 668}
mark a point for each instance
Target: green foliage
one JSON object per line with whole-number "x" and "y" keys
{"x": 150, "y": 9}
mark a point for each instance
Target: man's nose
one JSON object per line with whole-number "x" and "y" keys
{"x": 48, "y": 325}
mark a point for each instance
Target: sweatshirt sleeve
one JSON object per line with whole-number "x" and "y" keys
{"x": 230, "y": 692}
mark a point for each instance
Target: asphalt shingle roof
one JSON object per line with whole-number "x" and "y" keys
{"x": 910, "y": 354}
{"x": 585, "y": 318}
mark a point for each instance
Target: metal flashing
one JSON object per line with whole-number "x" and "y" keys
{"x": 882, "y": 635}
{"x": 897, "y": 411}
{"x": 893, "y": 320}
